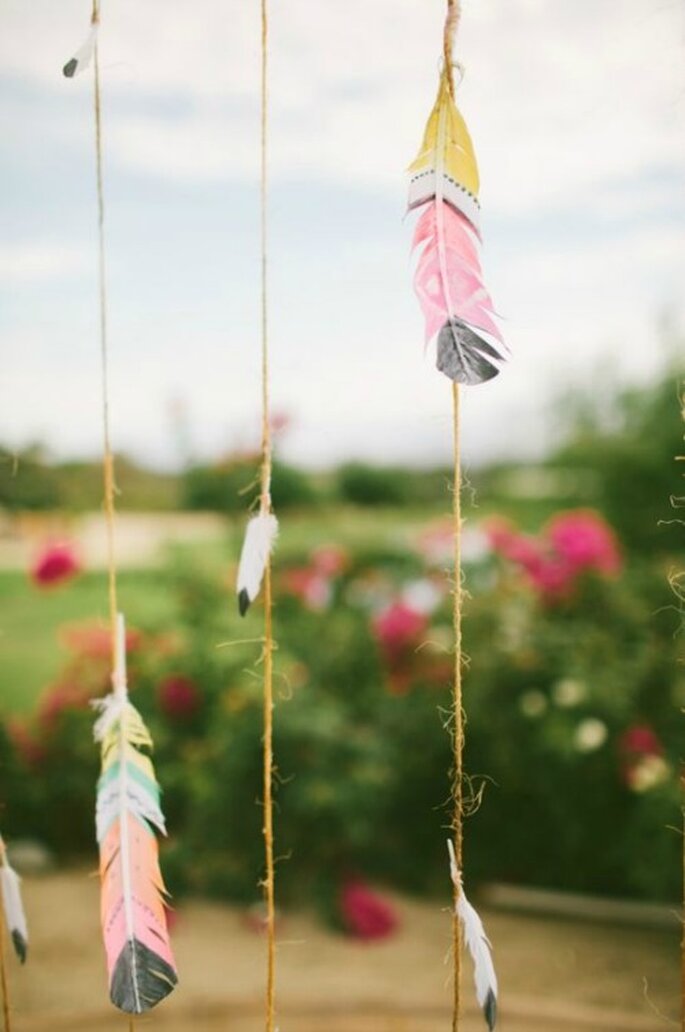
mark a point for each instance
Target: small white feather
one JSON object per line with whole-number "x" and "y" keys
{"x": 83, "y": 56}
{"x": 13, "y": 906}
{"x": 259, "y": 541}
{"x": 478, "y": 946}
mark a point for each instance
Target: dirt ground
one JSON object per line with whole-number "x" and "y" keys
{"x": 554, "y": 974}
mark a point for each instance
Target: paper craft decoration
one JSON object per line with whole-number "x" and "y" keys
{"x": 139, "y": 959}
{"x": 448, "y": 279}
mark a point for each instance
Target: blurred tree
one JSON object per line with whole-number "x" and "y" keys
{"x": 630, "y": 442}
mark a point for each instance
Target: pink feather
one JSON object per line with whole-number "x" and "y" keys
{"x": 459, "y": 309}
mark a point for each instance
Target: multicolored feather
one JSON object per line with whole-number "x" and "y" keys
{"x": 139, "y": 959}
{"x": 448, "y": 279}
{"x": 15, "y": 918}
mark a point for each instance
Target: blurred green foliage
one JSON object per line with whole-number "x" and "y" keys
{"x": 31, "y": 481}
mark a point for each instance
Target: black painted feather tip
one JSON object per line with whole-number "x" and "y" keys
{"x": 243, "y": 601}
{"x": 464, "y": 356}
{"x": 20, "y": 945}
{"x": 70, "y": 68}
{"x": 490, "y": 1009}
{"x": 141, "y": 979}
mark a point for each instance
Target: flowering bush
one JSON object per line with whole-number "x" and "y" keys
{"x": 572, "y": 692}
{"x": 569, "y": 546}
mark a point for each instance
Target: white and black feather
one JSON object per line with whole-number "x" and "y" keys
{"x": 83, "y": 56}
{"x": 478, "y": 946}
{"x": 15, "y": 917}
{"x": 259, "y": 541}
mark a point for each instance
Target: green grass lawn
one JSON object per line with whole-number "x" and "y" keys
{"x": 31, "y": 650}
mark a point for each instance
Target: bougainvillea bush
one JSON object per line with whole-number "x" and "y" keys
{"x": 573, "y": 691}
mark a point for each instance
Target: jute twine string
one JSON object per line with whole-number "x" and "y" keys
{"x": 265, "y": 507}
{"x": 108, "y": 456}
{"x": 451, "y": 25}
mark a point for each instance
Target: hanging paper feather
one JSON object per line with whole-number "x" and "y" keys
{"x": 15, "y": 917}
{"x": 83, "y": 56}
{"x": 139, "y": 959}
{"x": 259, "y": 540}
{"x": 448, "y": 279}
{"x": 478, "y": 946}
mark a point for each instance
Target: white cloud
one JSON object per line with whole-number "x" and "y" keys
{"x": 30, "y": 261}
{"x": 562, "y": 98}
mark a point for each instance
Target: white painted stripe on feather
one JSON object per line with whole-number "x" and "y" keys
{"x": 84, "y": 55}
{"x": 259, "y": 541}
{"x": 423, "y": 188}
{"x": 11, "y": 900}
{"x": 475, "y": 938}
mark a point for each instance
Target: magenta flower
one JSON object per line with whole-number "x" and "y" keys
{"x": 398, "y": 626}
{"x": 178, "y": 697}
{"x": 56, "y": 564}
{"x": 571, "y": 544}
{"x": 585, "y": 541}
{"x": 365, "y": 914}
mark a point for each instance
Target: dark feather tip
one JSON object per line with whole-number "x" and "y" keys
{"x": 490, "y": 1009}
{"x": 70, "y": 68}
{"x": 243, "y": 602}
{"x": 20, "y": 945}
{"x": 464, "y": 356}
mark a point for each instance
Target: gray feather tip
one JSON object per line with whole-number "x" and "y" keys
{"x": 20, "y": 946}
{"x": 490, "y": 1009}
{"x": 243, "y": 602}
{"x": 69, "y": 69}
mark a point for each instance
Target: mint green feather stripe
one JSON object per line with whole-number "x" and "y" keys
{"x": 136, "y": 774}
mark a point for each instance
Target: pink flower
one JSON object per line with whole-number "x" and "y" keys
{"x": 309, "y": 585}
{"x": 436, "y": 541}
{"x": 365, "y": 914}
{"x": 398, "y": 626}
{"x": 56, "y": 564}
{"x": 329, "y": 560}
{"x": 178, "y": 696}
{"x": 585, "y": 541}
{"x": 552, "y": 577}
{"x": 93, "y": 640}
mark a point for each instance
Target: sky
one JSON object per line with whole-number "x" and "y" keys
{"x": 577, "y": 111}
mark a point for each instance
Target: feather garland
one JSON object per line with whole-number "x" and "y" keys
{"x": 140, "y": 963}
{"x": 83, "y": 56}
{"x": 448, "y": 279}
{"x": 257, "y": 547}
{"x": 15, "y": 918}
{"x": 478, "y": 946}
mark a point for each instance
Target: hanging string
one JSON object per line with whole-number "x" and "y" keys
{"x": 451, "y": 24}
{"x": 108, "y": 457}
{"x": 265, "y": 508}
